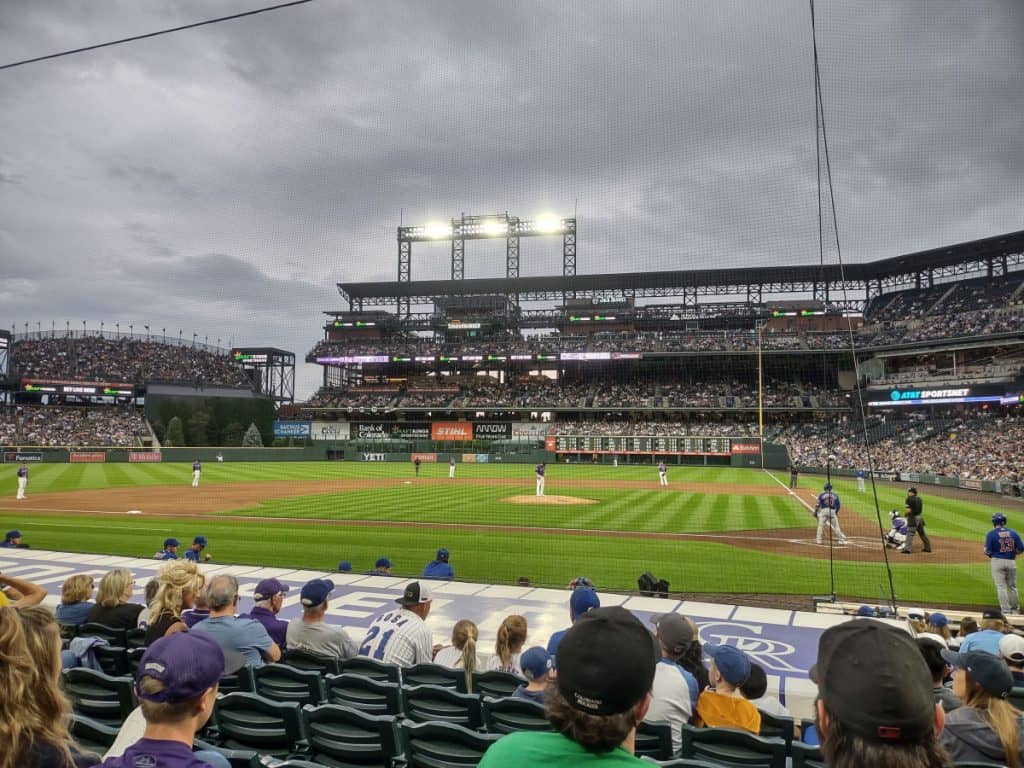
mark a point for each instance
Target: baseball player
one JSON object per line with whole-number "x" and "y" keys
{"x": 197, "y": 469}
{"x": 451, "y": 467}
{"x": 897, "y": 534}
{"x": 662, "y": 474}
{"x": 401, "y": 636}
{"x": 416, "y": 463}
{"x": 193, "y": 553}
{"x": 538, "y": 471}
{"x": 794, "y": 475}
{"x": 1002, "y": 545}
{"x": 915, "y": 523}
{"x": 827, "y": 513}
{"x": 860, "y": 480}
{"x": 22, "y": 481}
{"x": 170, "y": 550}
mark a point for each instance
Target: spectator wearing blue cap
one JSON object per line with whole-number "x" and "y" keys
{"x": 438, "y": 568}
{"x": 312, "y": 633}
{"x": 12, "y": 540}
{"x": 938, "y": 624}
{"x": 581, "y": 600}
{"x": 537, "y": 665}
{"x": 268, "y": 599}
{"x": 345, "y": 567}
{"x": 194, "y": 552}
{"x": 725, "y": 707}
{"x": 170, "y": 550}
{"x": 382, "y": 567}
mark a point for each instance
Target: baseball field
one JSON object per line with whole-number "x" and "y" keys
{"x": 713, "y": 530}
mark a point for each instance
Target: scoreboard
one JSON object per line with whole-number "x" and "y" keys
{"x": 693, "y": 446}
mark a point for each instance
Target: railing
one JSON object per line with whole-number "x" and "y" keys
{"x": 68, "y": 332}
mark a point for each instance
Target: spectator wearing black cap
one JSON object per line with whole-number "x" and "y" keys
{"x": 986, "y": 727}
{"x": 438, "y": 568}
{"x": 312, "y": 633}
{"x": 674, "y": 692}
{"x": 603, "y": 689}
{"x": 875, "y": 705}
{"x": 1011, "y": 648}
{"x": 724, "y": 705}
{"x": 268, "y": 598}
{"x": 931, "y": 650}
{"x": 992, "y": 629}
{"x": 401, "y": 636}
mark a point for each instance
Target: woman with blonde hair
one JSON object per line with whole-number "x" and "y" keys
{"x": 34, "y": 713}
{"x": 509, "y": 645}
{"x": 986, "y": 728}
{"x": 74, "y": 600}
{"x": 112, "y": 608}
{"x": 178, "y": 585}
{"x": 461, "y": 654}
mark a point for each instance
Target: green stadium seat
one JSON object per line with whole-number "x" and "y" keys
{"x": 113, "y": 635}
{"x": 300, "y": 659}
{"x": 280, "y": 682}
{"x": 495, "y": 684}
{"x": 510, "y": 714}
{"x": 105, "y": 699}
{"x": 245, "y": 721}
{"x": 135, "y": 638}
{"x": 344, "y": 736}
{"x": 442, "y": 745}
{"x": 374, "y": 697}
{"x": 134, "y": 656}
{"x": 806, "y": 755}
{"x": 113, "y": 659}
{"x": 732, "y": 747}
{"x": 92, "y": 735}
{"x": 242, "y": 681}
{"x": 434, "y": 703}
{"x": 237, "y": 758}
{"x": 433, "y": 674}
{"x": 654, "y": 740}
{"x": 777, "y": 727}
{"x": 361, "y": 665}
{"x": 681, "y": 762}
{"x": 68, "y": 631}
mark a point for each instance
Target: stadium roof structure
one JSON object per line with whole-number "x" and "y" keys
{"x": 860, "y": 282}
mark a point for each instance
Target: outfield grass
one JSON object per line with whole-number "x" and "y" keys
{"x": 545, "y": 558}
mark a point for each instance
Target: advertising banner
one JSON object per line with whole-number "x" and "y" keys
{"x": 88, "y": 457}
{"x": 373, "y": 457}
{"x": 389, "y": 430}
{"x": 425, "y": 458}
{"x": 18, "y": 457}
{"x": 330, "y": 430}
{"x": 292, "y": 428}
{"x": 492, "y": 431}
{"x": 145, "y": 457}
{"x": 469, "y": 458}
{"x": 550, "y": 443}
{"x": 530, "y": 430}
{"x": 974, "y": 485}
{"x": 451, "y": 430}
{"x": 745, "y": 447}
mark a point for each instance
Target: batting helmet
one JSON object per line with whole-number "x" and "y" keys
{"x": 828, "y": 486}
{"x": 894, "y": 514}
{"x": 998, "y": 519}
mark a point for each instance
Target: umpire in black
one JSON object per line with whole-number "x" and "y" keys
{"x": 915, "y": 523}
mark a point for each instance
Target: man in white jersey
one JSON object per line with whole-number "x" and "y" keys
{"x": 401, "y": 636}
{"x": 662, "y": 474}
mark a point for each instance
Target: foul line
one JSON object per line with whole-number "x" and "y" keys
{"x": 789, "y": 491}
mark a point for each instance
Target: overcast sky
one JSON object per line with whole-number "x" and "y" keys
{"x": 222, "y": 180}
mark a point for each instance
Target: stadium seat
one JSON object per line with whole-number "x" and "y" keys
{"x": 245, "y": 721}
{"x": 1016, "y": 697}
{"x": 92, "y": 735}
{"x": 777, "y": 727}
{"x": 361, "y": 665}
{"x": 495, "y": 684}
{"x": 423, "y": 703}
{"x": 242, "y": 681}
{"x": 433, "y": 674}
{"x": 654, "y": 740}
{"x": 269, "y": 762}
{"x": 68, "y": 631}
{"x": 806, "y": 755}
{"x": 134, "y": 656}
{"x": 135, "y": 638}
{"x": 730, "y": 746}
{"x": 345, "y": 736}
{"x": 511, "y": 713}
{"x": 112, "y": 635}
{"x": 105, "y": 699}
{"x": 280, "y": 682}
{"x": 113, "y": 659}
{"x": 300, "y": 659}
{"x": 373, "y": 697}
{"x": 237, "y": 758}
{"x": 681, "y": 762}
{"x": 442, "y": 745}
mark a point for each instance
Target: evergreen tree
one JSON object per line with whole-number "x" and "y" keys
{"x": 175, "y": 435}
{"x": 232, "y": 435}
{"x": 253, "y": 438}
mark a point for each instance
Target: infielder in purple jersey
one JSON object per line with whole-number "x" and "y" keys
{"x": 662, "y": 474}
{"x": 22, "y": 481}
{"x": 538, "y": 471}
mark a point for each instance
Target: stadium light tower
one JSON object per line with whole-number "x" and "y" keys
{"x": 489, "y": 227}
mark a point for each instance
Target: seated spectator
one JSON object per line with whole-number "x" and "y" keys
{"x": 74, "y": 600}
{"x": 461, "y": 654}
{"x": 938, "y": 669}
{"x": 724, "y": 706}
{"x": 537, "y": 666}
{"x": 380, "y": 568}
{"x": 344, "y": 567}
{"x": 195, "y": 552}
{"x": 674, "y": 693}
{"x": 312, "y": 633}
{"x": 438, "y": 568}
{"x": 582, "y": 599}
{"x": 176, "y": 687}
{"x": 170, "y": 550}
{"x": 755, "y": 690}
{"x": 200, "y": 611}
{"x": 1011, "y": 648}
{"x": 150, "y": 594}
{"x": 236, "y": 635}
{"x": 508, "y": 645}
{"x": 34, "y": 712}
{"x": 692, "y": 659}
{"x": 993, "y": 628}
{"x": 268, "y": 599}
{"x": 602, "y": 690}
{"x": 112, "y": 608}
{"x": 12, "y": 540}
{"x": 938, "y": 624}
{"x": 178, "y": 583}
{"x": 401, "y": 637}
{"x": 986, "y": 727}
{"x": 875, "y": 705}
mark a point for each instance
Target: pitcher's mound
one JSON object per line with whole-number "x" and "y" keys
{"x": 529, "y": 499}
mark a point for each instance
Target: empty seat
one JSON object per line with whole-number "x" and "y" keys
{"x": 374, "y": 697}
{"x": 92, "y": 735}
{"x": 242, "y": 681}
{"x": 105, "y": 699}
{"x": 494, "y": 684}
{"x": 112, "y": 635}
{"x": 733, "y": 747}
{"x": 280, "y": 682}
{"x": 510, "y": 714}
{"x": 806, "y": 755}
{"x": 654, "y": 740}
{"x": 376, "y": 670}
{"x": 442, "y": 745}
{"x": 777, "y": 727}
{"x": 245, "y": 721}
{"x": 113, "y": 659}
{"x": 424, "y": 703}
{"x": 344, "y": 736}
{"x": 433, "y": 674}
{"x": 300, "y": 659}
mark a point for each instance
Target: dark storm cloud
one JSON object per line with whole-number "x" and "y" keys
{"x": 225, "y": 178}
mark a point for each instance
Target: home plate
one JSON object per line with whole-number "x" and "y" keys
{"x": 408, "y": 482}
{"x": 134, "y": 512}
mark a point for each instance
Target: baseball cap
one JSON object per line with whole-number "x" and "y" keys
{"x": 674, "y": 632}
{"x": 316, "y": 592}
{"x": 382, "y": 562}
{"x": 865, "y": 610}
{"x": 731, "y": 662}
{"x": 938, "y": 620}
{"x": 1012, "y": 647}
{"x": 442, "y": 554}
{"x": 993, "y": 613}
{"x": 536, "y": 662}
{"x": 606, "y": 662}
{"x": 344, "y": 566}
{"x": 200, "y": 540}
{"x": 912, "y": 490}
{"x": 915, "y": 613}
{"x": 15, "y": 534}
{"x": 583, "y": 599}
{"x": 415, "y": 594}
{"x": 187, "y": 663}
{"x": 988, "y": 671}
{"x": 171, "y": 542}
{"x": 267, "y": 588}
{"x": 873, "y": 678}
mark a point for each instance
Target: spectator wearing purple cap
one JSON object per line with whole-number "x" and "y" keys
{"x": 582, "y": 599}
{"x": 312, "y": 633}
{"x": 268, "y": 597}
{"x": 675, "y": 692}
{"x": 236, "y": 635}
{"x": 537, "y": 665}
{"x": 725, "y": 707}
{"x": 176, "y": 687}
{"x": 438, "y": 568}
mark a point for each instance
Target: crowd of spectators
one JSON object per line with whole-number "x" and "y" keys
{"x": 128, "y": 360}
{"x": 65, "y": 426}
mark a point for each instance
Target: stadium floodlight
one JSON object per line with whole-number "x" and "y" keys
{"x": 437, "y": 230}
{"x": 495, "y": 227}
{"x": 548, "y": 224}
{"x": 501, "y": 226}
